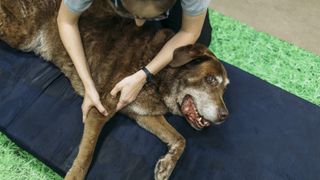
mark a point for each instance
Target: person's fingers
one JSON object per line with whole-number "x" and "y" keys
{"x": 123, "y": 101}
{"x": 101, "y": 108}
{"x": 120, "y": 105}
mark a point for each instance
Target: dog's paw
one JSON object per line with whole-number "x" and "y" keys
{"x": 164, "y": 168}
{"x": 75, "y": 173}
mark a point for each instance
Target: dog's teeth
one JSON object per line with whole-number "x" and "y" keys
{"x": 202, "y": 124}
{"x": 200, "y": 121}
{"x": 196, "y": 111}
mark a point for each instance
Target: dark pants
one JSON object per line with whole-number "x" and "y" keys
{"x": 174, "y": 23}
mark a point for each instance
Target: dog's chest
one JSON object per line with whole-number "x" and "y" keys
{"x": 143, "y": 109}
{"x": 148, "y": 102}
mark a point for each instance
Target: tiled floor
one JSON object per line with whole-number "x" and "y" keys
{"x": 296, "y": 21}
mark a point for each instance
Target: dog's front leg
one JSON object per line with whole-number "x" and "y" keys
{"x": 159, "y": 126}
{"x": 92, "y": 128}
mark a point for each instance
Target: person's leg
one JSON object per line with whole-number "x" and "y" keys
{"x": 174, "y": 23}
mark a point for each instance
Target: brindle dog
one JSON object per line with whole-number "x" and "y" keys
{"x": 192, "y": 85}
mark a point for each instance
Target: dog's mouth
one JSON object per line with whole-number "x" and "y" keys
{"x": 190, "y": 112}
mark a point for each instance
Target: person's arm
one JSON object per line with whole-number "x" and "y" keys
{"x": 189, "y": 33}
{"x": 70, "y": 36}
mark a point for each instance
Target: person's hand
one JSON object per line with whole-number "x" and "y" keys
{"x": 129, "y": 88}
{"x": 91, "y": 99}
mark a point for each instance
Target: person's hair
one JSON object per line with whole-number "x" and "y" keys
{"x": 161, "y": 5}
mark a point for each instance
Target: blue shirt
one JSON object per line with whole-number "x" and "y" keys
{"x": 190, "y": 7}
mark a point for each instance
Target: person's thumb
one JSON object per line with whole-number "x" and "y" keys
{"x": 85, "y": 110}
{"x": 115, "y": 90}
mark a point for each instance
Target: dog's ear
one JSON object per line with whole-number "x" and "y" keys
{"x": 185, "y": 54}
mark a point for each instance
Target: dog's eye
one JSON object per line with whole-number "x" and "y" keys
{"x": 211, "y": 80}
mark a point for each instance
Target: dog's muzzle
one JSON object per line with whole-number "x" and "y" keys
{"x": 190, "y": 112}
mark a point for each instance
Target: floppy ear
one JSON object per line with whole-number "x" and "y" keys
{"x": 185, "y": 54}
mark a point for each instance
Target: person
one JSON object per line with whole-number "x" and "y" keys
{"x": 188, "y": 18}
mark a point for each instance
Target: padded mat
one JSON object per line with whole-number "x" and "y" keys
{"x": 270, "y": 134}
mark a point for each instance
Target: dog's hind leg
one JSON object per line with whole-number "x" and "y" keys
{"x": 159, "y": 126}
{"x": 92, "y": 128}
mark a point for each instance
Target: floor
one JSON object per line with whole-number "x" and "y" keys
{"x": 296, "y": 21}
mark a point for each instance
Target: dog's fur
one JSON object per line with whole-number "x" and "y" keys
{"x": 116, "y": 48}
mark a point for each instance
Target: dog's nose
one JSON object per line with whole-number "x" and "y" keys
{"x": 223, "y": 114}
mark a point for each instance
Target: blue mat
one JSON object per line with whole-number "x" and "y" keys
{"x": 270, "y": 134}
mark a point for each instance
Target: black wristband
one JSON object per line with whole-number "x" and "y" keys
{"x": 149, "y": 75}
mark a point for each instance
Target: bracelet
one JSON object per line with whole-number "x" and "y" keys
{"x": 149, "y": 75}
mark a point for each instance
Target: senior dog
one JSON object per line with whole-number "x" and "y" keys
{"x": 191, "y": 86}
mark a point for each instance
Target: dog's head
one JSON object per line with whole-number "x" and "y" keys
{"x": 199, "y": 84}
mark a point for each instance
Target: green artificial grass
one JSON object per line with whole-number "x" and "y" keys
{"x": 17, "y": 164}
{"x": 278, "y": 62}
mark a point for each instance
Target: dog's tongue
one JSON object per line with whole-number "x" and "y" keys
{"x": 188, "y": 108}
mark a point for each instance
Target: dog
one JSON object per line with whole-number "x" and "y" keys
{"x": 192, "y": 85}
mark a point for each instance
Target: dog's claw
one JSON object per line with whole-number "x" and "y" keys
{"x": 75, "y": 174}
{"x": 164, "y": 168}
